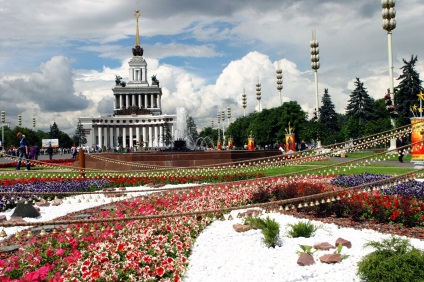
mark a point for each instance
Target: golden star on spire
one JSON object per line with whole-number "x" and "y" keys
{"x": 420, "y": 95}
{"x": 414, "y": 107}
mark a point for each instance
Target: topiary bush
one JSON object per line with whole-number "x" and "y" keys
{"x": 394, "y": 260}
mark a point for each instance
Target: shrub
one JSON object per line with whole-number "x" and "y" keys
{"x": 394, "y": 259}
{"x": 270, "y": 228}
{"x": 302, "y": 229}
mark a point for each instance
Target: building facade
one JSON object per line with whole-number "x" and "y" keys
{"x": 137, "y": 120}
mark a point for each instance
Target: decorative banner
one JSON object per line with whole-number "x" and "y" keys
{"x": 290, "y": 142}
{"x": 417, "y": 124}
{"x": 251, "y": 142}
{"x": 219, "y": 146}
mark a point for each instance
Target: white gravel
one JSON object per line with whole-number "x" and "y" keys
{"x": 222, "y": 254}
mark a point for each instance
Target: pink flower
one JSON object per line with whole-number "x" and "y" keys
{"x": 60, "y": 252}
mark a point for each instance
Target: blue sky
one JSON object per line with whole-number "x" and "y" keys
{"x": 58, "y": 59}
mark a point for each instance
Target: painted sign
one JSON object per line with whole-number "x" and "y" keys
{"x": 47, "y": 142}
{"x": 290, "y": 143}
{"x": 417, "y": 124}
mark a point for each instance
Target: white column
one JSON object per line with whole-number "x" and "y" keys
{"x": 124, "y": 137}
{"x": 133, "y": 100}
{"x": 121, "y": 101}
{"x": 151, "y": 101}
{"x": 145, "y": 101}
{"x": 160, "y": 101}
{"x": 116, "y": 136}
{"x": 161, "y": 135}
{"x": 150, "y": 136}
{"x": 111, "y": 139}
{"x": 131, "y": 137}
{"x": 106, "y": 136}
{"x": 139, "y": 100}
{"x": 99, "y": 131}
{"x": 127, "y": 99}
{"x": 144, "y": 134}
{"x": 137, "y": 134}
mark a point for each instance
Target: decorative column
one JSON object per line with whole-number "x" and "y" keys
{"x": 161, "y": 136}
{"x": 144, "y": 132}
{"x": 111, "y": 139}
{"x": 417, "y": 136}
{"x": 116, "y": 136}
{"x": 251, "y": 142}
{"x": 137, "y": 135}
{"x": 218, "y": 143}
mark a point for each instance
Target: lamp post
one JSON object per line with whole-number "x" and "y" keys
{"x": 219, "y": 121}
{"x": 223, "y": 126}
{"x": 280, "y": 82}
{"x": 315, "y": 65}
{"x": 258, "y": 95}
{"x": 389, "y": 24}
{"x": 244, "y": 100}
{"x": 33, "y": 123}
{"x": 20, "y": 120}
{"x": 3, "y": 121}
{"x": 229, "y": 115}
{"x": 212, "y": 124}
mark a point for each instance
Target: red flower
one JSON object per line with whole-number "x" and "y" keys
{"x": 160, "y": 271}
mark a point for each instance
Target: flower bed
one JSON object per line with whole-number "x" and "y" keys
{"x": 157, "y": 249}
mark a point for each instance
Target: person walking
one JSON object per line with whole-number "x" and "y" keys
{"x": 50, "y": 151}
{"x": 22, "y": 151}
{"x": 400, "y": 143}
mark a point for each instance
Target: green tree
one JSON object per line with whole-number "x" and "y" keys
{"x": 327, "y": 121}
{"x": 359, "y": 109}
{"x": 79, "y": 137}
{"x": 382, "y": 123}
{"x": 54, "y": 131}
{"x": 407, "y": 90}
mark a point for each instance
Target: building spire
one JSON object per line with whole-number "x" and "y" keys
{"x": 137, "y": 51}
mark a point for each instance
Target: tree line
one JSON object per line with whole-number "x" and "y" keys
{"x": 35, "y": 137}
{"x": 363, "y": 116}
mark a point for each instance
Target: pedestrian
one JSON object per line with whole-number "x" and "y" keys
{"x": 50, "y": 151}
{"x": 303, "y": 145}
{"x": 22, "y": 151}
{"x": 400, "y": 143}
{"x": 37, "y": 151}
{"x": 32, "y": 152}
{"x": 74, "y": 151}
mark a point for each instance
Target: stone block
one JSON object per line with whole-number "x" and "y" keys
{"x": 325, "y": 246}
{"x": 331, "y": 258}
{"x": 344, "y": 242}
{"x": 241, "y": 227}
{"x": 305, "y": 259}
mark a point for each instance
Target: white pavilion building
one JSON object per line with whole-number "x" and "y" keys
{"x": 137, "y": 119}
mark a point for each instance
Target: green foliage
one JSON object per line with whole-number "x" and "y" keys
{"x": 339, "y": 251}
{"x": 268, "y": 126}
{"x": 407, "y": 90}
{"x": 394, "y": 260}
{"x": 306, "y": 250}
{"x": 302, "y": 229}
{"x": 270, "y": 228}
{"x": 79, "y": 138}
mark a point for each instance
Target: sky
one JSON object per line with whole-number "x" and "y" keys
{"x": 59, "y": 59}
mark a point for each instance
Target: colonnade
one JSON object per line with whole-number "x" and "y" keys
{"x": 143, "y": 135}
{"x": 145, "y": 101}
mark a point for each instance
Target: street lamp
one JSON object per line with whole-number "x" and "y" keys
{"x": 315, "y": 65}
{"x": 33, "y": 122}
{"x": 258, "y": 95}
{"x": 244, "y": 100}
{"x": 3, "y": 121}
{"x": 219, "y": 122}
{"x": 20, "y": 120}
{"x": 229, "y": 115}
{"x": 223, "y": 126}
{"x": 280, "y": 82}
{"x": 212, "y": 124}
{"x": 389, "y": 24}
